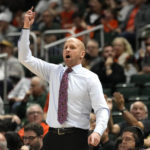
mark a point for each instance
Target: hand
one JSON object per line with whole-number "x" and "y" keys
{"x": 94, "y": 139}
{"x": 119, "y": 100}
{"x": 29, "y": 18}
{"x": 142, "y": 53}
{"x": 146, "y": 69}
{"x": 109, "y": 61}
{"x": 25, "y": 147}
{"x": 16, "y": 119}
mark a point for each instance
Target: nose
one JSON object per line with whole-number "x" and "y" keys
{"x": 26, "y": 142}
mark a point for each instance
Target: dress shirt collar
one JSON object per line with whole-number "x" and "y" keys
{"x": 76, "y": 68}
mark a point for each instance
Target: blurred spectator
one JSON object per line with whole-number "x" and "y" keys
{"x": 48, "y": 21}
{"x": 34, "y": 114}
{"x": 108, "y": 20}
{"x": 66, "y": 14}
{"x": 18, "y": 93}
{"x": 144, "y": 57}
{"x": 14, "y": 142}
{"x": 47, "y": 4}
{"x": 109, "y": 23}
{"x": 128, "y": 27}
{"x": 36, "y": 94}
{"x": 122, "y": 50}
{"x": 33, "y": 136}
{"x": 132, "y": 138}
{"x": 80, "y": 25}
{"x": 110, "y": 4}
{"x": 9, "y": 122}
{"x": 94, "y": 13}
{"x": 142, "y": 18}
{"x": 92, "y": 54}
{"x": 3, "y": 142}
{"x": 109, "y": 72}
{"x": 126, "y": 6}
{"x": 1, "y": 106}
{"x": 136, "y": 117}
{"x": 80, "y": 5}
{"x": 14, "y": 68}
{"x": 17, "y": 20}
{"x": 124, "y": 56}
{"x": 20, "y": 90}
{"x": 5, "y": 26}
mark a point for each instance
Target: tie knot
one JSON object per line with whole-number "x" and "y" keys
{"x": 68, "y": 70}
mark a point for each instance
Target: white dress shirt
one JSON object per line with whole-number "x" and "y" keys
{"x": 84, "y": 90}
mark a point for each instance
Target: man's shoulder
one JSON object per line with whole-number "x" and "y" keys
{"x": 88, "y": 72}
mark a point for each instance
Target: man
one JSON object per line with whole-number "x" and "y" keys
{"x": 132, "y": 138}
{"x": 35, "y": 114}
{"x": 33, "y": 136}
{"x": 15, "y": 70}
{"x": 144, "y": 56}
{"x": 92, "y": 51}
{"x": 108, "y": 71}
{"x": 83, "y": 89}
{"x": 136, "y": 117}
{"x": 36, "y": 94}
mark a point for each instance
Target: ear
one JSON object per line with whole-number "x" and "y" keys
{"x": 82, "y": 54}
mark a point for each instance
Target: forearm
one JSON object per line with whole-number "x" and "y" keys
{"x": 132, "y": 120}
{"x": 24, "y": 52}
{"x": 102, "y": 117}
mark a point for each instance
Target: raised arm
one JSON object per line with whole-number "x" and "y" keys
{"x": 119, "y": 100}
{"x": 35, "y": 65}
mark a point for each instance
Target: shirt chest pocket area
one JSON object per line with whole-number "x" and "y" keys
{"x": 78, "y": 89}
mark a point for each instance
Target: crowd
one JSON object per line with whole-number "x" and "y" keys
{"x": 126, "y": 52}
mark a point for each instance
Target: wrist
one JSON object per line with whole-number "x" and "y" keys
{"x": 26, "y": 26}
{"x": 123, "y": 109}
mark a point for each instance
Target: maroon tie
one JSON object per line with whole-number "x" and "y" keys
{"x": 63, "y": 97}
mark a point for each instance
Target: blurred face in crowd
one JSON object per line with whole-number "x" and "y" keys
{"x": 108, "y": 52}
{"x": 36, "y": 86}
{"x": 92, "y": 48}
{"x": 47, "y": 17}
{"x": 95, "y": 5}
{"x": 73, "y": 52}
{"x": 118, "y": 47}
{"x": 128, "y": 141}
{"x": 30, "y": 138}
{"x": 6, "y": 49}
{"x": 138, "y": 109}
{"x": 67, "y": 4}
{"x": 35, "y": 114}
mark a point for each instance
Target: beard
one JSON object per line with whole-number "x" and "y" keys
{"x": 36, "y": 146}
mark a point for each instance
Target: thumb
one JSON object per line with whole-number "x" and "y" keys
{"x": 90, "y": 140}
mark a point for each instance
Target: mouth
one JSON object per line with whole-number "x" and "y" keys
{"x": 67, "y": 56}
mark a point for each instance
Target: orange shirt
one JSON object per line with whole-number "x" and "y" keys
{"x": 43, "y": 124}
{"x": 66, "y": 18}
{"x": 110, "y": 25}
{"x": 46, "y": 104}
{"x": 130, "y": 23}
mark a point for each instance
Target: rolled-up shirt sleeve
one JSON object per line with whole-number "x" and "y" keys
{"x": 99, "y": 105}
{"x": 35, "y": 65}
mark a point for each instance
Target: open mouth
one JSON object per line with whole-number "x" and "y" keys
{"x": 67, "y": 56}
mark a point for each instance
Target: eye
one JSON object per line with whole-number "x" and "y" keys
{"x": 72, "y": 47}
